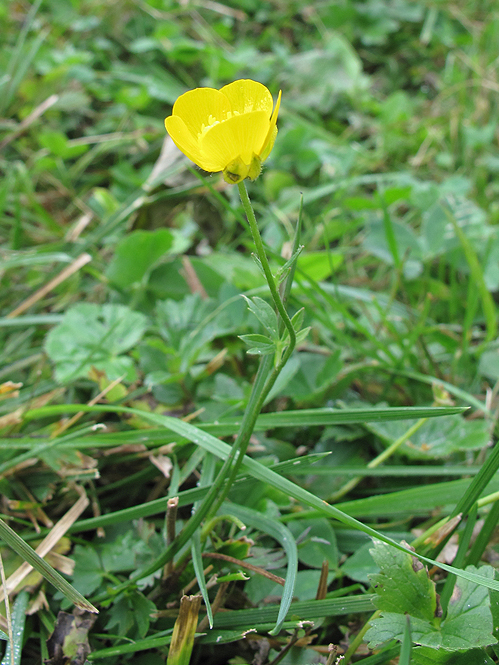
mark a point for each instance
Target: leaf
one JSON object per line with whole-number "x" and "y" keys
{"x": 282, "y": 534}
{"x": 297, "y": 319}
{"x": 120, "y": 616}
{"x": 22, "y": 548}
{"x": 404, "y": 589}
{"x": 316, "y": 542}
{"x": 437, "y": 439}
{"x": 469, "y": 619}
{"x": 184, "y": 631}
{"x": 402, "y": 585}
{"x": 88, "y": 571}
{"x": 18, "y": 625}
{"x": 265, "y": 314}
{"x": 142, "y": 609}
{"x": 95, "y": 335}
{"x": 137, "y": 254}
{"x": 239, "y": 576}
{"x": 69, "y": 641}
{"x": 319, "y": 265}
{"x": 259, "y": 344}
{"x": 427, "y": 656}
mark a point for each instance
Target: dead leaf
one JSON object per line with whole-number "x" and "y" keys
{"x": 68, "y": 644}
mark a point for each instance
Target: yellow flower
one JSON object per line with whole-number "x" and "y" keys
{"x": 230, "y": 130}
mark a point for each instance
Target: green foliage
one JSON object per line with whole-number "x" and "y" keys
{"x": 388, "y": 130}
{"x": 433, "y": 440}
{"x": 136, "y": 256}
{"x": 13, "y": 651}
{"x": 403, "y": 588}
{"x": 127, "y": 552}
{"x": 95, "y": 336}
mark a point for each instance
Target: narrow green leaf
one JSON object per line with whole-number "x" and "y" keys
{"x": 484, "y": 536}
{"x": 488, "y": 305}
{"x": 289, "y": 488}
{"x": 140, "y": 645}
{"x": 18, "y": 624}
{"x": 196, "y": 550}
{"x": 304, "y": 610}
{"x": 303, "y": 417}
{"x": 16, "y": 543}
{"x": 284, "y": 536}
{"x": 479, "y": 483}
{"x": 464, "y": 541}
{"x": 405, "y": 649}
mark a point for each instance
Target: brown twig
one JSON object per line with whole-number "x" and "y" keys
{"x": 243, "y": 564}
{"x": 171, "y": 518}
{"x": 215, "y": 606}
{"x": 78, "y": 263}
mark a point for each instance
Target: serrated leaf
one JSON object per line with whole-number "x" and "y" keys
{"x": 402, "y": 585}
{"x": 404, "y": 589}
{"x": 121, "y": 617}
{"x": 88, "y": 571}
{"x": 142, "y": 609}
{"x": 391, "y": 626}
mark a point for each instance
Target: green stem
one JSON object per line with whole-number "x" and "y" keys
{"x": 260, "y": 250}
{"x": 259, "y": 392}
{"x": 261, "y": 387}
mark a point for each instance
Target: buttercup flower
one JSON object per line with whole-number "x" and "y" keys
{"x": 230, "y": 130}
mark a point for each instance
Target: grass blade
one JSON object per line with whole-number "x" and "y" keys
{"x": 405, "y": 649}
{"x": 18, "y": 624}
{"x": 16, "y": 543}
{"x": 484, "y": 536}
{"x": 284, "y": 536}
{"x": 488, "y": 305}
{"x": 196, "y": 553}
{"x": 266, "y": 475}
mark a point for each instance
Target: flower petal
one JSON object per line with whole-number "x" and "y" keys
{"x": 268, "y": 144}
{"x": 201, "y": 108}
{"x": 239, "y": 136}
{"x": 246, "y": 95}
{"x": 185, "y": 142}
